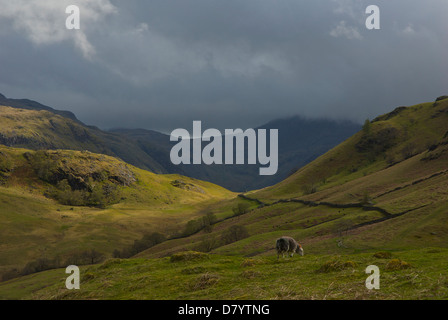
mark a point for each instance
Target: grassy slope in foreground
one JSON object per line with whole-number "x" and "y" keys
{"x": 413, "y": 274}
{"x": 34, "y": 226}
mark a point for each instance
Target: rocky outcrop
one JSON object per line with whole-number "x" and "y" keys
{"x": 186, "y": 186}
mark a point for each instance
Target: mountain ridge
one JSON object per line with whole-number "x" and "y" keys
{"x": 300, "y": 141}
{"x": 34, "y": 105}
{"x": 391, "y": 193}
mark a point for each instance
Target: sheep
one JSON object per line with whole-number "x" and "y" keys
{"x": 288, "y": 245}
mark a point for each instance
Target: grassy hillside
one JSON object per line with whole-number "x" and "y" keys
{"x": 28, "y": 124}
{"x": 383, "y": 142}
{"x": 36, "y": 221}
{"x": 365, "y": 204}
{"x": 385, "y": 190}
{"x": 413, "y": 274}
{"x": 44, "y": 129}
{"x": 33, "y": 105}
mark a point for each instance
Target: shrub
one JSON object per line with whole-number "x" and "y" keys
{"x": 208, "y": 221}
{"x": 204, "y": 223}
{"x": 207, "y": 244}
{"x": 93, "y": 256}
{"x": 240, "y": 209}
{"x": 43, "y": 165}
{"x": 77, "y": 183}
{"x": 234, "y": 233}
{"x": 99, "y": 195}
{"x": 148, "y": 240}
{"x": 377, "y": 142}
{"x": 192, "y": 227}
{"x": 85, "y": 257}
{"x": 40, "y": 264}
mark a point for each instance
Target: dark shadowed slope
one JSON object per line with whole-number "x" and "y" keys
{"x": 36, "y": 126}
{"x": 300, "y": 141}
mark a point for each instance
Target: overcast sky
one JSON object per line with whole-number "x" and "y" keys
{"x": 160, "y": 64}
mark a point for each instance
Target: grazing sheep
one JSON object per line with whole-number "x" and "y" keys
{"x": 288, "y": 245}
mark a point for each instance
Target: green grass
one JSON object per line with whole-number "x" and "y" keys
{"x": 412, "y": 188}
{"x": 235, "y": 277}
{"x": 416, "y": 128}
{"x": 40, "y": 129}
{"x": 33, "y": 225}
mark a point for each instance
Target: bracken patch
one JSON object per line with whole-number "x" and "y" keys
{"x": 397, "y": 264}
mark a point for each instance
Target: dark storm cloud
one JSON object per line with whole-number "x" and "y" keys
{"x": 231, "y": 63}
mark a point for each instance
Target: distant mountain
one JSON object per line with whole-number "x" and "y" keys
{"x": 301, "y": 140}
{"x": 33, "y": 105}
{"x": 29, "y": 124}
{"x": 35, "y": 127}
{"x": 381, "y": 145}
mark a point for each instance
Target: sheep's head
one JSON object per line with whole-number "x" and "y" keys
{"x": 299, "y": 250}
